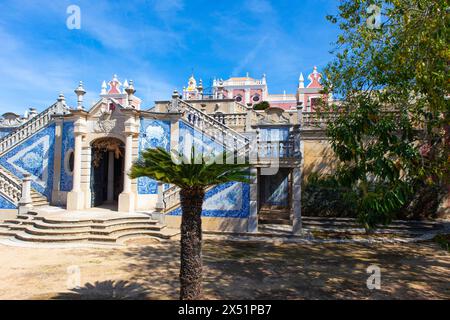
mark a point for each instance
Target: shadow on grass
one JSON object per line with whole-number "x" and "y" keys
{"x": 106, "y": 290}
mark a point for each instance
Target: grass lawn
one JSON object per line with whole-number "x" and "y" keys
{"x": 233, "y": 270}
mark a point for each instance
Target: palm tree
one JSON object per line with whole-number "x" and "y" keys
{"x": 192, "y": 175}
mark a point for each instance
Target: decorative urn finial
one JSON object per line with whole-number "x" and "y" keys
{"x": 80, "y": 92}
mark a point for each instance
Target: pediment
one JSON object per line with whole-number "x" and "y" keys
{"x": 273, "y": 116}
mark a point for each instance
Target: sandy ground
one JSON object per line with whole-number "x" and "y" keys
{"x": 147, "y": 269}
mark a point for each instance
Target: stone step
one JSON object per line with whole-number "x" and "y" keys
{"x": 352, "y": 223}
{"x": 6, "y": 232}
{"x": 40, "y": 203}
{"x": 165, "y": 234}
{"x": 274, "y": 221}
{"x": 23, "y": 236}
{"x": 51, "y": 226}
{"x": 279, "y": 215}
{"x": 82, "y": 221}
{"x": 85, "y": 231}
{"x": 113, "y": 238}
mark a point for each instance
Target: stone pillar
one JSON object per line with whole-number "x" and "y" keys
{"x": 110, "y": 192}
{"x": 75, "y": 198}
{"x": 127, "y": 197}
{"x": 25, "y": 202}
{"x": 248, "y": 121}
{"x": 175, "y": 135}
{"x": 58, "y": 160}
{"x": 248, "y": 98}
{"x": 296, "y": 200}
{"x": 253, "y": 217}
{"x": 159, "y": 202}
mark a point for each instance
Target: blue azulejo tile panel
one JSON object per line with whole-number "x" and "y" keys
{"x": 202, "y": 143}
{"x": 228, "y": 200}
{"x": 34, "y": 156}
{"x": 153, "y": 134}
{"x": 6, "y": 204}
{"x": 68, "y": 143}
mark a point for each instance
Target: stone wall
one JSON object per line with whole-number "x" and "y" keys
{"x": 318, "y": 157}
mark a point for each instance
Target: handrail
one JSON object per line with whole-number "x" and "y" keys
{"x": 10, "y": 188}
{"x": 171, "y": 196}
{"x": 28, "y": 128}
{"x": 205, "y": 118}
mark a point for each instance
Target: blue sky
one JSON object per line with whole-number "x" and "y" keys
{"x": 157, "y": 44}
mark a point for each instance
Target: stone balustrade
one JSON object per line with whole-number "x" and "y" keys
{"x": 208, "y": 124}
{"x": 233, "y": 120}
{"x": 171, "y": 198}
{"x": 10, "y": 188}
{"x": 28, "y": 128}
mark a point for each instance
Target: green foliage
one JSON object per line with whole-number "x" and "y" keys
{"x": 323, "y": 196}
{"x": 443, "y": 240}
{"x": 190, "y": 171}
{"x": 262, "y": 105}
{"x": 392, "y": 128}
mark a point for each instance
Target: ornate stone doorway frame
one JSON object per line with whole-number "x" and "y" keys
{"x": 106, "y": 170}
{"x": 96, "y": 124}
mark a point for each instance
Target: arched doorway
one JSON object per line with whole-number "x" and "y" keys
{"x": 107, "y": 168}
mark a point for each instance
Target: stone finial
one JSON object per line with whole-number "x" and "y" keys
{"x": 104, "y": 88}
{"x": 130, "y": 88}
{"x": 130, "y": 92}
{"x": 80, "y": 92}
{"x": 301, "y": 81}
{"x": 175, "y": 94}
{"x": 315, "y": 73}
{"x": 61, "y": 97}
{"x": 173, "y": 105}
{"x": 32, "y": 113}
{"x": 125, "y": 86}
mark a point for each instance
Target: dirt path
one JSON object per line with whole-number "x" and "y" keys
{"x": 232, "y": 271}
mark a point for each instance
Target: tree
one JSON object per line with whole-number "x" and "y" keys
{"x": 193, "y": 175}
{"x": 391, "y": 72}
{"x": 262, "y": 105}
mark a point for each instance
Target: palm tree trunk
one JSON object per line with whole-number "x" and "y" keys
{"x": 191, "y": 243}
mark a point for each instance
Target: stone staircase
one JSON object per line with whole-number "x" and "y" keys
{"x": 274, "y": 215}
{"x": 333, "y": 227}
{"x": 36, "y": 228}
{"x": 213, "y": 128}
{"x": 10, "y": 185}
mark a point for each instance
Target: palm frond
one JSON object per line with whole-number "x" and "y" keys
{"x": 187, "y": 171}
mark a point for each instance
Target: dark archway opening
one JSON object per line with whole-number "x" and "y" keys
{"x": 107, "y": 169}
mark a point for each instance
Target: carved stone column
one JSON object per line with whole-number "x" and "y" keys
{"x": 296, "y": 200}
{"x": 25, "y": 202}
{"x": 58, "y": 160}
{"x": 253, "y": 217}
{"x": 127, "y": 198}
{"x": 75, "y": 198}
{"x": 159, "y": 202}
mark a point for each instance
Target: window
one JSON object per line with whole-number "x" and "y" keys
{"x": 238, "y": 98}
{"x": 256, "y": 98}
{"x": 315, "y": 102}
{"x": 69, "y": 160}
